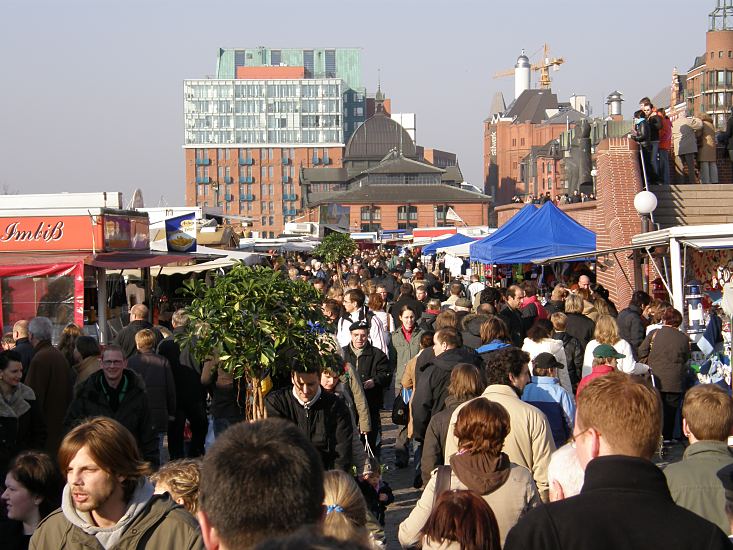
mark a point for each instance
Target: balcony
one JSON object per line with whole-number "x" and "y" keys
{"x": 286, "y": 161}
{"x": 246, "y": 179}
{"x": 246, "y": 198}
{"x": 290, "y": 212}
{"x": 286, "y": 179}
{"x": 229, "y": 197}
{"x": 246, "y": 162}
{"x": 326, "y": 161}
{"x": 290, "y": 197}
{"x": 203, "y": 180}
{"x": 316, "y": 160}
{"x": 203, "y": 162}
{"x": 228, "y": 179}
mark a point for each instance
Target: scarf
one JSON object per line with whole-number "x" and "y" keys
{"x": 16, "y": 404}
{"x": 357, "y": 352}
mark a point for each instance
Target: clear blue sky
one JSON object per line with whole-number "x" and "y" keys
{"x": 91, "y": 90}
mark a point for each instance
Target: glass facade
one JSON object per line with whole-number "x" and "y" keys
{"x": 264, "y": 112}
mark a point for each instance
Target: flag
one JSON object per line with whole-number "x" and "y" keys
{"x": 713, "y": 335}
{"x": 452, "y": 216}
{"x": 180, "y": 233}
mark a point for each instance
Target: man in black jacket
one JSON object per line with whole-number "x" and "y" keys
{"x": 138, "y": 321}
{"x": 375, "y": 374}
{"x": 23, "y": 346}
{"x": 624, "y": 502}
{"x": 431, "y": 389}
{"x": 118, "y": 393}
{"x": 631, "y": 324}
{"x": 323, "y": 417}
{"x": 512, "y": 315}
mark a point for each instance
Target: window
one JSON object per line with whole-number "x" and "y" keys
{"x": 220, "y": 155}
{"x": 263, "y": 172}
{"x": 440, "y": 212}
{"x": 407, "y": 213}
{"x": 549, "y": 183}
{"x": 271, "y": 170}
{"x": 308, "y": 63}
{"x": 330, "y": 63}
{"x": 239, "y": 58}
{"x": 221, "y": 173}
{"x": 521, "y": 141}
{"x": 275, "y": 57}
{"x": 272, "y": 222}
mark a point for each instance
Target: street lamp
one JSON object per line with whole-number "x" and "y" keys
{"x": 645, "y": 203}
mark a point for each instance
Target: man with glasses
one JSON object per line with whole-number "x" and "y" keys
{"x": 625, "y": 501}
{"x": 512, "y": 315}
{"x": 116, "y": 392}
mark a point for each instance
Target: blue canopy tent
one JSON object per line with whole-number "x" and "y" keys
{"x": 453, "y": 240}
{"x": 479, "y": 251}
{"x": 546, "y": 233}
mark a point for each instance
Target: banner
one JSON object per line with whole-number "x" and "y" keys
{"x": 453, "y": 216}
{"x": 180, "y": 233}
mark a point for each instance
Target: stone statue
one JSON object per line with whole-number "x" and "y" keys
{"x": 578, "y": 165}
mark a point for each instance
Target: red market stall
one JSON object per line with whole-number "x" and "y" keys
{"x": 53, "y": 262}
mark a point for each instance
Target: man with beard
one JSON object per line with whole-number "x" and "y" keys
{"x": 107, "y": 501}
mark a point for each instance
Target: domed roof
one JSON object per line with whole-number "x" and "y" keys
{"x": 522, "y": 61}
{"x": 374, "y": 139}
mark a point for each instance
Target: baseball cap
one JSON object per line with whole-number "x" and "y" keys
{"x": 606, "y": 350}
{"x": 547, "y": 361}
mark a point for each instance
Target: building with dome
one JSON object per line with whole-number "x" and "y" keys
{"x": 385, "y": 184}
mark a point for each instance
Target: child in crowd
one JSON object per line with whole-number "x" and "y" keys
{"x": 377, "y": 493}
{"x": 180, "y": 479}
{"x": 546, "y": 393}
{"x": 604, "y": 361}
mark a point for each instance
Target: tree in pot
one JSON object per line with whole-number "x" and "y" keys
{"x": 255, "y": 322}
{"x": 335, "y": 248}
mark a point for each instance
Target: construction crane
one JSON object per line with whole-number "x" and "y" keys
{"x": 543, "y": 68}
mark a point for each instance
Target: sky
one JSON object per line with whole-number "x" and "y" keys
{"x": 91, "y": 91}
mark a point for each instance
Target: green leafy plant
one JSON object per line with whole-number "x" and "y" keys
{"x": 255, "y": 322}
{"x": 335, "y": 248}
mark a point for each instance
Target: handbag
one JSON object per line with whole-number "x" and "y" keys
{"x": 646, "y": 379}
{"x": 442, "y": 482}
{"x": 401, "y": 409}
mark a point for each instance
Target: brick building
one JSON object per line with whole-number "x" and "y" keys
{"x": 384, "y": 183}
{"x": 533, "y": 120}
{"x": 708, "y": 84}
{"x": 267, "y": 114}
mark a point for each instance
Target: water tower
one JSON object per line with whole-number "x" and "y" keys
{"x": 522, "y": 75}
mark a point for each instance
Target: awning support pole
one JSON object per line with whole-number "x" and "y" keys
{"x": 676, "y": 264}
{"x": 102, "y": 304}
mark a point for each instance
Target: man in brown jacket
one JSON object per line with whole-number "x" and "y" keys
{"x": 49, "y": 376}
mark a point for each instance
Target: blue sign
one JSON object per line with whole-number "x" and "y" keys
{"x": 180, "y": 233}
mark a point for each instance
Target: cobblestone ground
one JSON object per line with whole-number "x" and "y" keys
{"x": 406, "y": 496}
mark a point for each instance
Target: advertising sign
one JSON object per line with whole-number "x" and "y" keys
{"x": 180, "y": 233}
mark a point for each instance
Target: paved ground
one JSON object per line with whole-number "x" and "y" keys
{"x": 406, "y": 496}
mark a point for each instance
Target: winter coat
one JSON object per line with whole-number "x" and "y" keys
{"x": 555, "y": 306}
{"x": 85, "y": 369}
{"x": 126, "y": 337}
{"x": 529, "y": 442}
{"x": 694, "y": 483}
{"x": 684, "y": 135}
{"x": 509, "y": 502}
{"x": 19, "y": 432}
{"x": 632, "y": 327}
{"x": 624, "y": 503}
{"x": 433, "y": 449}
{"x": 555, "y": 347}
{"x": 515, "y": 324}
{"x": 401, "y": 351}
{"x": 596, "y": 372}
{"x": 50, "y": 378}
{"x": 581, "y": 327}
{"x": 708, "y": 145}
{"x": 326, "y": 423}
{"x": 227, "y": 395}
{"x": 133, "y": 411}
{"x": 351, "y": 380}
{"x": 427, "y": 319}
{"x": 372, "y": 364}
{"x": 432, "y": 386}
{"x": 728, "y": 137}
{"x": 472, "y": 333}
{"x": 546, "y": 393}
{"x": 670, "y": 352}
{"x": 573, "y": 355}
{"x": 159, "y": 385}
{"x": 25, "y": 349}
{"x": 187, "y": 380}
{"x": 162, "y": 524}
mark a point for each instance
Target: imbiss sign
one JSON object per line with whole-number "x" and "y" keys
{"x": 49, "y": 233}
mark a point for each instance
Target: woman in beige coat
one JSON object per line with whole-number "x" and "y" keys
{"x": 706, "y": 155}
{"x": 479, "y": 466}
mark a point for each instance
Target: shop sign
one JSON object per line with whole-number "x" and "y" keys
{"x": 48, "y": 233}
{"x": 126, "y": 232}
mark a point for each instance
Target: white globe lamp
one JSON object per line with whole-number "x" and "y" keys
{"x": 645, "y": 202}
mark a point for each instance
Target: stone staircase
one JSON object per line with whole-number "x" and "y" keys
{"x": 693, "y": 204}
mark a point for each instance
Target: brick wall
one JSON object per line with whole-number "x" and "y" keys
{"x": 472, "y": 214}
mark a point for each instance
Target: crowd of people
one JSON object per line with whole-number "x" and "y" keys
{"x": 519, "y": 411}
{"x": 573, "y": 198}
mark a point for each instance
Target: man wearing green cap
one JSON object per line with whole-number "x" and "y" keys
{"x": 604, "y": 361}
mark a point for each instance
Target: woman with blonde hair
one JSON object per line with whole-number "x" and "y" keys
{"x": 346, "y": 510}
{"x": 606, "y": 332}
{"x": 180, "y": 479}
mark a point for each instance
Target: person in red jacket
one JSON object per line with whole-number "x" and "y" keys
{"x": 604, "y": 362}
{"x": 665, "y": 146}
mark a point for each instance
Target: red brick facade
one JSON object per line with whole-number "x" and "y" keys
{"x": 248, "y": 190}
